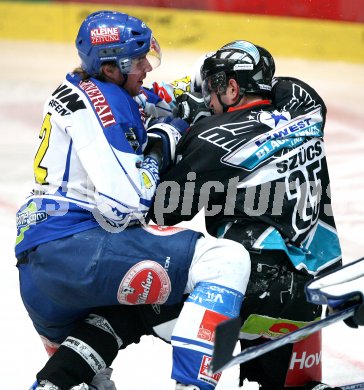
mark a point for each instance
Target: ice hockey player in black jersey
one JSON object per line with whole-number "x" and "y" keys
{"x": 258, "y": 167}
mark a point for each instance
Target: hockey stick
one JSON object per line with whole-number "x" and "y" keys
{"x": 355, "y": 386}
{"x": 227, "y": 333}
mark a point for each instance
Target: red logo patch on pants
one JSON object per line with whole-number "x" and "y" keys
{"x": 305, "y": 364}
{"x": 204, "y": 374}
{"x": 159, "y": 230}
{"x": 208, "y": 325}
{"x": 145, "y": 283}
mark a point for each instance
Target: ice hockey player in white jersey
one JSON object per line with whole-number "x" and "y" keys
{"x": 82, "y": 245}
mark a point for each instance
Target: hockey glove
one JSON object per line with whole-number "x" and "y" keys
{"x": 181, "y": 125}
{"x": 162, "y": 141}
{"x": 191, "y": 107}
{"x": 151, "y": 106}
{"x": 169, "y": 91}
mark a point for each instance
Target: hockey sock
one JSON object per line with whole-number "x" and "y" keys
{"x": 192, "y": 341}
{"x": 84, "y": 353}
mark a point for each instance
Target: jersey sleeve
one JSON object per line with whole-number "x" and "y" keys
{"x": 178, "y": 196}
{"x": 297, "y": 97}
{"x": 151, "y": 105}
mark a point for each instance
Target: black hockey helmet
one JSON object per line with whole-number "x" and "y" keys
{"x": 250, "y": 65}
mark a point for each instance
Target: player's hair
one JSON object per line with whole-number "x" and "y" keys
{"x": 100, "y": 76}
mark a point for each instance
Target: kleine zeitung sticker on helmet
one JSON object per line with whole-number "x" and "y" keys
{"x": 104, "y": 35}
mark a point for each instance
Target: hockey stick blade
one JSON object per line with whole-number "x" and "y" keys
{"x": 228, "y": 331}
{"x": 226, "y": 337}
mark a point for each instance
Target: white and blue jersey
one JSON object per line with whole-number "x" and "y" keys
{"x": 89, "y": 168}
{"x": 92, "y": 180}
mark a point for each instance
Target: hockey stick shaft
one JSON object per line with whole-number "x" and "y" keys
{"x": 355, "y": 386}
{"x": 228, "y": 331}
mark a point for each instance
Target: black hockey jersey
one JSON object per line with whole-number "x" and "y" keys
{"x": 260, "y": 172}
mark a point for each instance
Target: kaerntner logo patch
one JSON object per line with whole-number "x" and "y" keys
{"x": 146, "y": 282}
{"x": 104, "y": 35}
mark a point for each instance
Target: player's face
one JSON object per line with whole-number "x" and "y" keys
{"x": 139, "y": 68}
{"x": 216, "y": 96}
{"x": 214, "y": 90}
{"x": 215, "y": 104}
{"x": 112, "y": 73}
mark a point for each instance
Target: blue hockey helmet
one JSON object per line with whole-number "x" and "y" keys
{"x": 106, "y": 36}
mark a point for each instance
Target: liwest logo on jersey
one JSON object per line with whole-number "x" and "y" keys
{"x": 99, "y": 102}
{"x": 104, "y": 35}
{"x": 290, "y": 135}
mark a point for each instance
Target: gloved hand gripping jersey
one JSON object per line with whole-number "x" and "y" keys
{"x": 163, "y": 136}
{"x": 191, "y": 107}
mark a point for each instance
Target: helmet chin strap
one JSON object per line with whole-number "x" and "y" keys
{"x": 225, "y": 107}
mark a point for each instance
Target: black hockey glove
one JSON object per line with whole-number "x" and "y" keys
{"x": 191, "y": 107}
{"x": 357, "y": 319}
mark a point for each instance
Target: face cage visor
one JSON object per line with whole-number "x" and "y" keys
{"x": 215, "y": 83}
{"x": 153, "y": 56}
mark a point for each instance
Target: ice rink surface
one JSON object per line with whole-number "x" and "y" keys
{"x": 30, "y": 71}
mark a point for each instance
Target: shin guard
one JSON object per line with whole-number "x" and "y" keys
{"x": 194, "y": 334}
